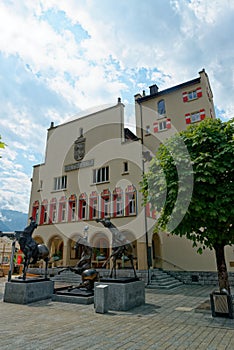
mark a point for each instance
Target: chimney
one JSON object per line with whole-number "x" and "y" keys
{"x": 153, "y": 89}
{"x": 119, "y": 99}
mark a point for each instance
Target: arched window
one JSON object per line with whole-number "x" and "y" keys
{"x": 130, "y": 200}
{"x": 93, "y": 205}
{"x": 72, "y": 204}
{"x": 161, "y": 108}
{"x": 62, "y": 209}
{"x": 117, "y": 202}
{"x": 53, "y": 210}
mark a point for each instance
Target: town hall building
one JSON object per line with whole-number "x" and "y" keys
{"x": 92, "y": 170}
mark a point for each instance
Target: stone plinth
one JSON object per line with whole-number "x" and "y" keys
{"x": 73, "y": 296}
{"x": 72, "y": 299}
{"x": 25, "y": 292}
{"x": 123, "y": 296}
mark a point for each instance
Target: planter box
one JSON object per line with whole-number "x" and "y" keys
{"x": 221, "y": 305}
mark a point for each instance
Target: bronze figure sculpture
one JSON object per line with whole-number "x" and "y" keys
{"x": 32, "y": 251}
{"x": 84, "y": 266}
{"x": 121, "y": 247}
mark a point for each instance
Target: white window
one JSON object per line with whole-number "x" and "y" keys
{"x": 73, "y": 210}
{"x": 54, "y": 213}
{"x": 195, "y": 117}
{"x": 95, "y": 208}
{"x": 132, "y": 203}
{"x": 162, "y": 125}
{"x": 192, "y": 95}
{"x": 106, "y": 203}
{"x": 63, "y": 211}
{"x": 119, "y": 205}
{"x": 147, "y": 130}
{"x": 161, "y": 108}
{"x": 60, "y": 183}
{"x": 45, "y": 214}
{"x": 101, "y": 175}
{"x": 83, "y": 209}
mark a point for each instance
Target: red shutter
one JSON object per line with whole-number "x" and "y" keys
{"x": 60, "y": 212}
{"x": 199, "y": 92}
{"x": 102, "y": 208}
{"x": 90, "y": 208}
{"x": 115, "y": 205}
{"x": 80, "y": 209}
{"x": 51, "y": 213}
{"x": 156, "y": 127}
{"x": 188, "y": 118}
{"x": 202, "y": 114}
{"x": 69, "y": 210}
{"x": 185, "y": 97}
{"x": 34, "y": 212}
{"x": 127, "y": 205}
{"x": 168, "y": 123}
{"x": 42, "y": 214}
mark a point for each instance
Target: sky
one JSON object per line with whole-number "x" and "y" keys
{"x": 60, "y": 59}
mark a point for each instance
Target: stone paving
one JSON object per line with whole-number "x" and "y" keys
{"x": 169, "y": 320}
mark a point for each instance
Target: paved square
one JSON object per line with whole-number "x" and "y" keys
{"x": 169, "y": 320}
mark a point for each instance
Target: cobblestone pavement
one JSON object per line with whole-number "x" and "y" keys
{"x": 168, "y": 320}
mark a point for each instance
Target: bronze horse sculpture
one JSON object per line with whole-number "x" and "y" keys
{"x": 121, "y": 247}
{"x": 32, "y": 251}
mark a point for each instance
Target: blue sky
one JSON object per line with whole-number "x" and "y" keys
{"x": 60, "y": 58}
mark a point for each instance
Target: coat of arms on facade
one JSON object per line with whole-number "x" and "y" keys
{"x": 79, "y": 147}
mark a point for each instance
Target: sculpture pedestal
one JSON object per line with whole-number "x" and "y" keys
{"x": 29, "y": 291}
{"x": 123, "y": 296}
{"x": 75, "y": 296}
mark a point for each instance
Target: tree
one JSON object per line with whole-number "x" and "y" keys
{"x": 2, "y": 144}
{"x": 196, "y": 166}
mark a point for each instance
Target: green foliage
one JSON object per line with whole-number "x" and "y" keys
{"x": 204, "y": 181}
{"x": 2, "y": 144}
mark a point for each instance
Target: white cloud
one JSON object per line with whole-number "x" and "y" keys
{"x": 105, "y": 49}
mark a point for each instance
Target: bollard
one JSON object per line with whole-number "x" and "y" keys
{"x": 101, "y": 298}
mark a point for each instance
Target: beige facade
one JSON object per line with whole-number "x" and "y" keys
{"x": 92, "y": 169}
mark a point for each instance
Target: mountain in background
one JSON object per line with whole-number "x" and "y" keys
{"x": 11, "y": 220}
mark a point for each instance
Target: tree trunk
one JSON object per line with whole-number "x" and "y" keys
{"x": 222, "y": 268}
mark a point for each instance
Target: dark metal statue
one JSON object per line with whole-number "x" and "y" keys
{"x": 32, "y": 251}
{"x": 84, "y": 266}
{"x": 121, "y": 247}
